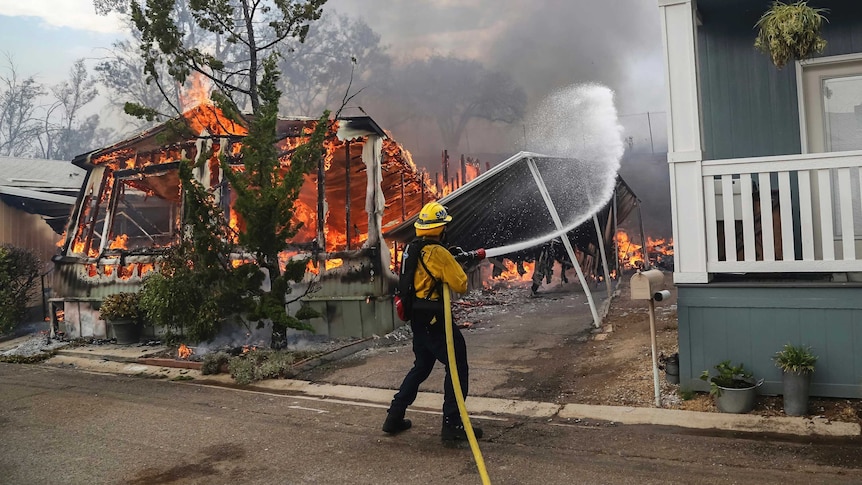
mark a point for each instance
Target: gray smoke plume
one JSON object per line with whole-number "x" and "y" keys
{"x": 544, "y": 45}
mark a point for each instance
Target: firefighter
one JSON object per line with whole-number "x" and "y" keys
{"x": 437, "y": 266}
{"x": 550, "y": 252}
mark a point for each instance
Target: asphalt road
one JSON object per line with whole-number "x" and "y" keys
{"x": 61, "y": 426}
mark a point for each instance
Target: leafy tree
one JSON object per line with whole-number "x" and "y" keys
{"x": 196, "y": 286}
{"x": 248, "y": 34}
{"x": 244, "y": 34}
{"x": 453, "y": 91}
{"x": 19, "y": 124}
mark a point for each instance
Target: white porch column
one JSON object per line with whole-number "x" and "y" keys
{"x": 685, "y": 151}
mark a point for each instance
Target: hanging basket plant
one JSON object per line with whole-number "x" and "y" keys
{"x": 790, "y": 31}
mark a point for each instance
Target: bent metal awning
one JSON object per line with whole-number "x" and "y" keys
{"x": 530, "y": 199}
{"x": 505, "y": 206}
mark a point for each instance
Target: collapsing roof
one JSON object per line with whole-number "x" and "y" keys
{"x": 45, "y": 187}
{"x": 505, "y": 206}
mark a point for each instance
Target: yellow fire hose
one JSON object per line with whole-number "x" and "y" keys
{"x": 456, "y": 384}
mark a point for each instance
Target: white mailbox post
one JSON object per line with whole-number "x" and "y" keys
{"x": 649, "y": 285}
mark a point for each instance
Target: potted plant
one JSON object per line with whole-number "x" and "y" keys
{"x": 797, "y": 365}
{"x": 790, "y": 31}
{"x": 121, "y": 312}
{"x": 734, "y": 387}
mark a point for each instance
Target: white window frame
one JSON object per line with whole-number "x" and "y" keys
{"x": 800, "y": 93}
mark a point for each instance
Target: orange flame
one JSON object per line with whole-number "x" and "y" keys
{"x": 120, "y": 242}
{"x": 512, "y": 273}
{"x": 198, "y": 92}
{"x": 184, "y": 352}
{"x": 631, "y": 254}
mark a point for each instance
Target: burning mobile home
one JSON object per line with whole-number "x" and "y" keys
{"x": 130, "y": 208}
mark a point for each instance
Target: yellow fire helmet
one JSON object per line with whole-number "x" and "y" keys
{"x": 431, "y": 216}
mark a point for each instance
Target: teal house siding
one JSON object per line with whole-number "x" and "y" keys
{"x": 750, "y": 107}
{"x": 748, "y": 323}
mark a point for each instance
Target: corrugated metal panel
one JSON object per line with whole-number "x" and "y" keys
{"x": 749, "y": 324}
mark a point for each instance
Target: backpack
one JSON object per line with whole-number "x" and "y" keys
{"x": 405, "y": 293}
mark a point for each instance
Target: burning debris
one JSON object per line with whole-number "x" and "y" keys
{"x": 631, "y": 255}
{"x": 184, "y": 352}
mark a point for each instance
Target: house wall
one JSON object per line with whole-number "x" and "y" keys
{"x": 22, "y": 229}
{"x": 750, "y": 107}
{"x": 26, "y": 230}
{"x": 749, "y": 323}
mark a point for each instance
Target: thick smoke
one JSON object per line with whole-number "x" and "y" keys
{"x": 545, "y": 45}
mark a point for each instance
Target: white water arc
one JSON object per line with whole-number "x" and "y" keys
{"x": 578, "y": 122}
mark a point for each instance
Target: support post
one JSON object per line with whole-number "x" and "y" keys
{"x": 645, "y": 247}
{"x": 616, "y": 242}
{"x": 656, "y": 385}
{"x": 602, "y": 253}
{"x": 568, "y": 244}
{"x": 463, "y": 179}
{"x": 321, "y": 206}
{"x": 347, "y": 191}
{"x": 403, "y": 207}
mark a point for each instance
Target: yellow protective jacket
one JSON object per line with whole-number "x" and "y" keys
{"x": 443, "y": 266}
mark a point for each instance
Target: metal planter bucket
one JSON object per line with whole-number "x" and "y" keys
{"x": 737, "y": 401}
{"x": 671, "y": 369}
{"x": 126, "y": 331}
{"x": 796, "y": 386}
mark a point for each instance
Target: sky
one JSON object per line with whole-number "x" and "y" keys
{"x": 44, "y": 37}
{"x": 544, "y": 44}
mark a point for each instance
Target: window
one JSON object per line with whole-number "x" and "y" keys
{"x": 831, "y": 103}
{"x": 146, "y": 209}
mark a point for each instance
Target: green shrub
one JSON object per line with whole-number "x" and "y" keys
{"x": 120, "y": 306}
{"x": 19, "y": 275}
{"x": 213, "y": 362}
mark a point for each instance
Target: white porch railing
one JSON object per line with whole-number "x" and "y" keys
{"x": 796, "y": 213}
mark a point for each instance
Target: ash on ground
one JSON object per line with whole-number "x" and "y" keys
{"x": 36, "y": 345}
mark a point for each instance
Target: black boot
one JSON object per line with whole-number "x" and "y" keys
{"x": 395, "y": 424}
{"x": 453, "y": 430}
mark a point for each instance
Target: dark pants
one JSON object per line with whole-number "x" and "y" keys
{"x": 429, "y": 346}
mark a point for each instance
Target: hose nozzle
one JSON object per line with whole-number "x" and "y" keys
{"x": 468, "y": 256}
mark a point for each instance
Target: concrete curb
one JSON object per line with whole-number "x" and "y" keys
{"x": 486, "y": 406}
{"x": 803, "y": 426}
